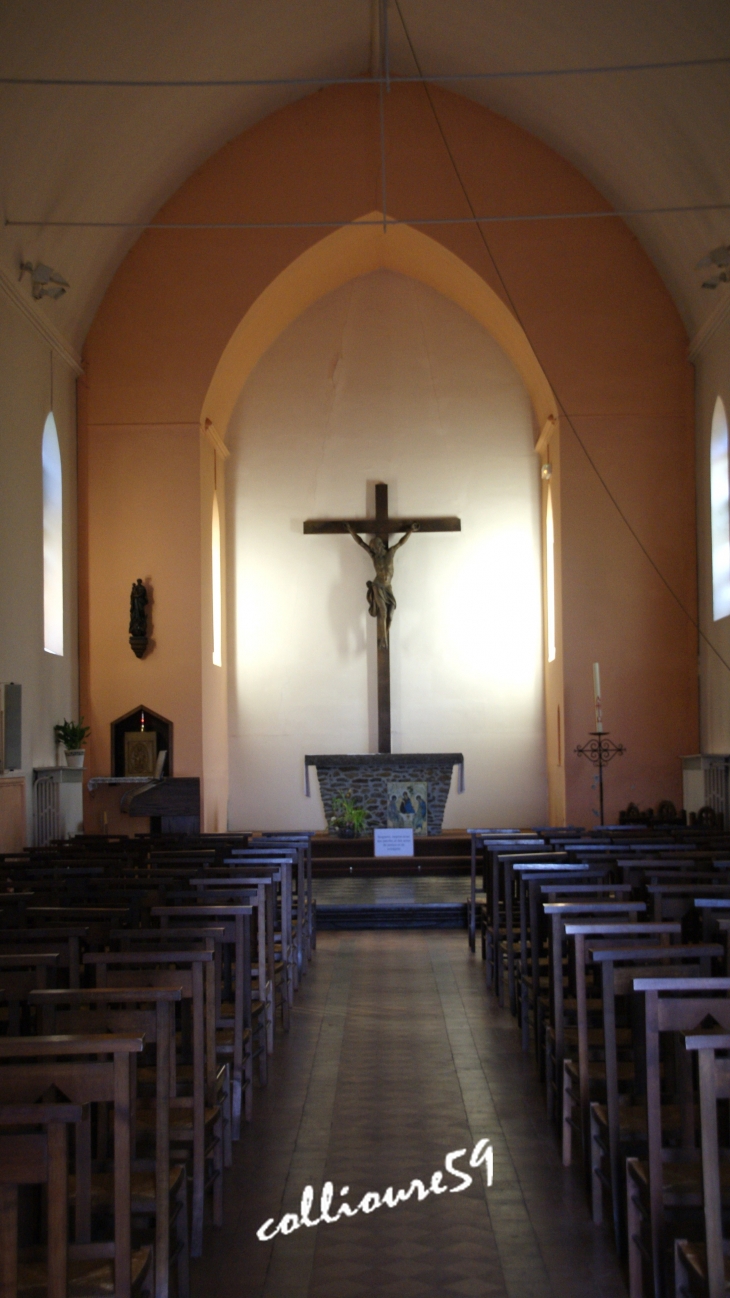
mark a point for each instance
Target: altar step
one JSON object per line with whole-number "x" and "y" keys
{"x": 437, "y": 855}
{"x": 392, "y": 915}
{"x": 337, "y": 867}
{"x": 394, "y": 901}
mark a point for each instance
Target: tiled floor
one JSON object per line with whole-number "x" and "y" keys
{"x": 397, "y": 1056}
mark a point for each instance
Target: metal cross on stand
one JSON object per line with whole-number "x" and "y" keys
{"x": 381, "y": 600}
{"x": 600, "y": 750}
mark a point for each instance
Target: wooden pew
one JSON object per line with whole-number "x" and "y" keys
{"x": 559, "y": 914}
{"x": 249, "y": 889}
{"x": 62, "y": 1061}
{"x": 150, "y": 1013}
{"x": 536, "y": 886}
{"x": 35, "y": 1158}
{"x": 218, "y": 1082}
{"x": 529, "y": 883}
{"x": 504, "y": 884}
{"x": 295, "y": 918}
{"x": 579, "y": 1072}
{"x": 192, "y": 1121}
{"x": 655, "y": 1185}
{"x": 20, "y": 973}
{"x": 303, "y": 841}
{"x": 236, "y": 1043}
{"x": 65, "y": 939}
{"x": 479, "y": 838}
{"x": 98, "y": 919}
{"x": 292, "y": 932}
{"x": 615, "y": 1127}
{"x": 489, "y": 843}
{"x": 494, "y": 919}
{"x": 703, "y": 1270}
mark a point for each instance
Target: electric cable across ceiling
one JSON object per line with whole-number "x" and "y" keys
{"x": 260, "y": 83}
{"x": 664, "y": 580}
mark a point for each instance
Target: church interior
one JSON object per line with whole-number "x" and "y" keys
{"x": 365, "y": 649}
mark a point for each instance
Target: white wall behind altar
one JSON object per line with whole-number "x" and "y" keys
{"x": 385, "y": 380}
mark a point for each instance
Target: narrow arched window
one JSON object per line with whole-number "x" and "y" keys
{"x": 52, "y": 540}
{"x": 217, "y": 592}
{"x": 550, "y": 576}
{"x": 720, "y": 512}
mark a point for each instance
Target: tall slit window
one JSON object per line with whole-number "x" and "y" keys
{"x": 52, "y": 540}
{"x": 550, "y": 576}
{"x": 217, "y": 593}
{"x": 720, "y": 512}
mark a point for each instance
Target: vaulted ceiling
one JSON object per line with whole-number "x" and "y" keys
{"x": 647, "y": 138}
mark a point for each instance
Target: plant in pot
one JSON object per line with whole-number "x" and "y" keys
{"x": 72, "y": 734}
{"x": 347, "y": 819}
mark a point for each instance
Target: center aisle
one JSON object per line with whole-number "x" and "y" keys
{"x": 397, "y": 1056}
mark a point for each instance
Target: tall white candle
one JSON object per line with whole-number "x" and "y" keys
{"x": 597, "y": 697}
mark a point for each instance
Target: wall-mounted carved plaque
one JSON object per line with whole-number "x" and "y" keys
{"x": 140, "y": 752}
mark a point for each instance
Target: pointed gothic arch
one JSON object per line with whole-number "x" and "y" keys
{"x": 343, "y": 255}
{"x": 359, "y": 249}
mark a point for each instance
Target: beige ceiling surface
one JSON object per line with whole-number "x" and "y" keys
{"x": 645, "y": 138}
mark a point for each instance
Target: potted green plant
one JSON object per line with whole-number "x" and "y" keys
{"x": 72, "y": 734}
{"x": 348, "y": 818}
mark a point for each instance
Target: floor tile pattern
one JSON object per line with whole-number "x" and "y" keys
{"x": 396, "y": 1056}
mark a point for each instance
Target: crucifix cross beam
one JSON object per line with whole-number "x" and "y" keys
{"x": 381, "y": 600}
{"x": 381, "y": 525}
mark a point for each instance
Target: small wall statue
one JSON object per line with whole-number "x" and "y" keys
{"x": 138, "y": 637}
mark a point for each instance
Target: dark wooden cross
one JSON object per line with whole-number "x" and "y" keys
{"x": 381, "y": 526}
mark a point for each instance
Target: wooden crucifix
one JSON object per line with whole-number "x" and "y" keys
{"x": 381, "y": 600}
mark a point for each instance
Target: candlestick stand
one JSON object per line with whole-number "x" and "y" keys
{"x": 600, "y": 750}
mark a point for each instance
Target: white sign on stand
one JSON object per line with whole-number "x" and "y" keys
{"x": 394, "y": 842}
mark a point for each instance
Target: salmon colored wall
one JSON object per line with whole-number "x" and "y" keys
{"x": 617, "y": 610}
{"x": 601, "y": 324}
{"x": 713, "y": 381}
{"x": 144, "y": 521}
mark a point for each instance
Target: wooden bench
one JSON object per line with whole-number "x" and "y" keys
{"x": 246, "y": 889}
{"x": 535, "y": 885}
{"x": 302, "y": 841}
{"x": 192, "y": 1121}
{"x": 618, "y": 1130}
{"x": 157, "y": 1190}
{"x": 67, "y": 940}
{"x": 35, "y": 1158}
{"x": 86, "y": 1069}
{"x": 588, "y": 939}
{"x": 20, "y": 973}
{"x": 559, "y": 914}
{"x": 236, "y": 1043}
{"x": 530, "y": 881}
{"x": 702, "y": 1270}
{"x": 668, "y": 1180}
{"x": 199, "y": 936}
{"x": 294, "y": 921}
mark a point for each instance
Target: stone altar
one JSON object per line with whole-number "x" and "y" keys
{"x": 368, "y": 775}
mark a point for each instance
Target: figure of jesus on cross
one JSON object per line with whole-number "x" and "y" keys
{"x": 381, "y": 600}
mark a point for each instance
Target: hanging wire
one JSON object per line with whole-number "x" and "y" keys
{"x": 255, "y": 83}
{"x": 601, "y": 214}
{"x": 667, "y": 584}
{"x": 382, "y": 79}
